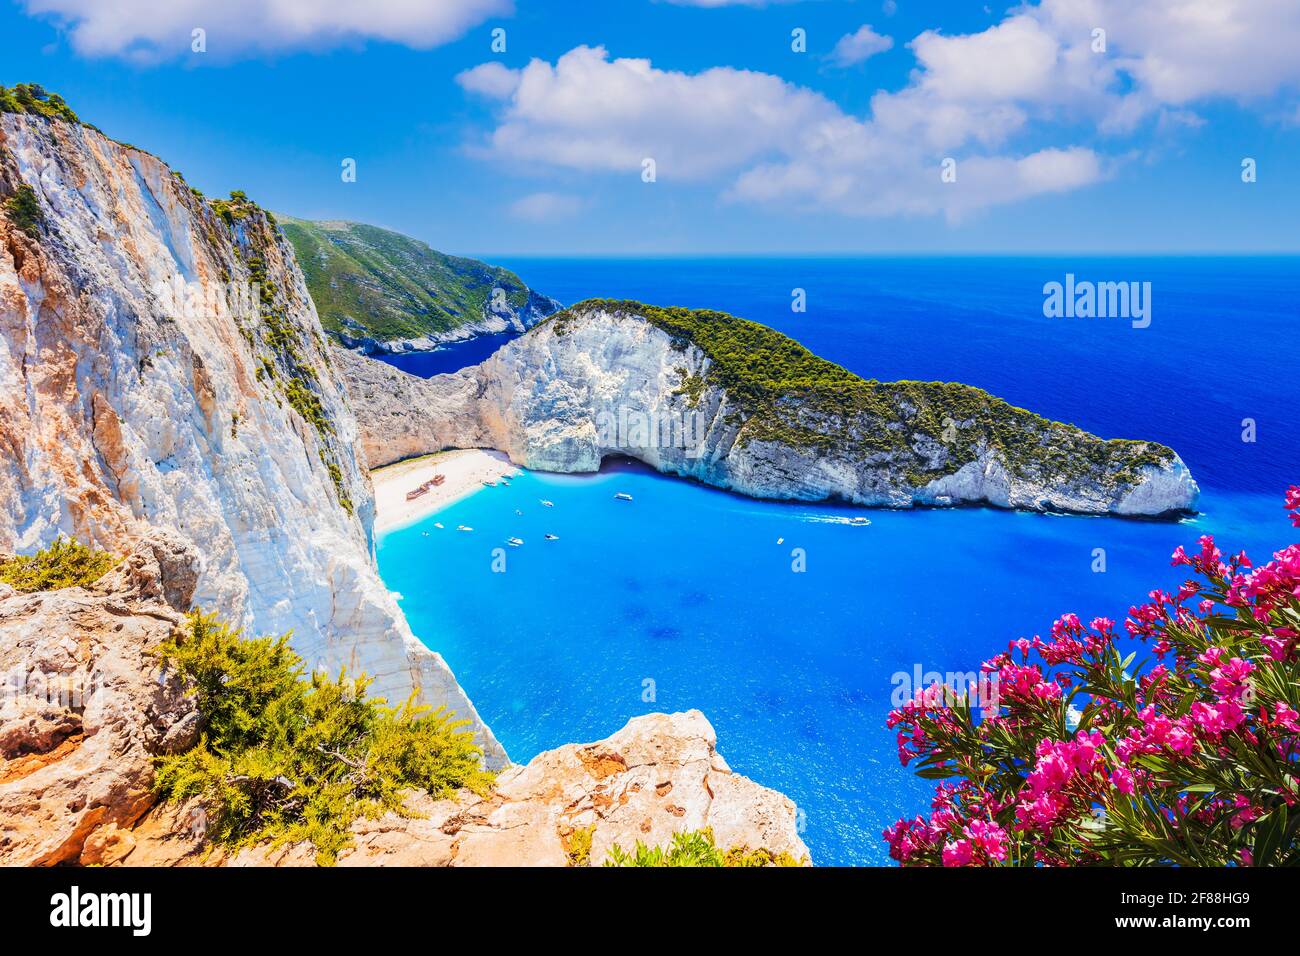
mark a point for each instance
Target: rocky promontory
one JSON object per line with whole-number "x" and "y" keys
{"x": 734, "y": 404}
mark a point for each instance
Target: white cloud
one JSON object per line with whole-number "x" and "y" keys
{"x": 1001, "y": 102}
{"x": 494, "y": 80}
{"x": 545, "y": 207}
{"x": 775, "y": 141}
{"x": 589, "y": 112}
{"x": 859, "y": 46}
{"x": 1177, "y": 51}
{"x": 160, "y": 29}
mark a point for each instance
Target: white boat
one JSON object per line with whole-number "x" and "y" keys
{"x": 463, "y": 527}
{"x": 859, "y": 521}
{"x": 548, "y": 504}
{"x": 518, "y": 512}
{"x": 437, "y": 524}
{"x": 623, "y": 496}
{"x": 780, "y": 540}
{"x": 552, "y": 537}
{"x": 489, "y": 482}
{"x": 514, "y": 542}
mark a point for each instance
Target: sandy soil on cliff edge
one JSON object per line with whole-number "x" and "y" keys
{"x": 466, "y": 471}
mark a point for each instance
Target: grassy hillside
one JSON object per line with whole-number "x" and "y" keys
{"x": 371, "y": 282}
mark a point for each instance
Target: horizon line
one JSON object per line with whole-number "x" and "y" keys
{"x": 866, "y": 254}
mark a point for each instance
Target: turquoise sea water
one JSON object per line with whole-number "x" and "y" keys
{"x": 687, "y": 587}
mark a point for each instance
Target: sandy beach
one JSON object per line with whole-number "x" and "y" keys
{"x": 465, "y": 471}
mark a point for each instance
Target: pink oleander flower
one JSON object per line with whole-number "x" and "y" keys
{"x": 989, "y": 838}
{"x": 1203, "y": 743}
{"x": 1123, "y": 781}
{"x": 958, "y": 853}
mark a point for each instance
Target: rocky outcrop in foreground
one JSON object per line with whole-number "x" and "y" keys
{"x": 661, "y": 774}
{"x": 83, "y": 708}
{"x": 733, "y": 404}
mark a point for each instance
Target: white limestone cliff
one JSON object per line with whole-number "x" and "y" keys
{"x": 601, "y": 380}
{"x": 137, "y": 391}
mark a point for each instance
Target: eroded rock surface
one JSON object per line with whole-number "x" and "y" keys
{"x": 84, "y": 708}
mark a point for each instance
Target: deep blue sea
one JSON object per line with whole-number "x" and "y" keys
{"x": 686, "y": 587}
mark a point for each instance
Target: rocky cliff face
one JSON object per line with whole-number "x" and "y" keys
{"x": 732, "y": 404}
{"x": 161, "y": 365}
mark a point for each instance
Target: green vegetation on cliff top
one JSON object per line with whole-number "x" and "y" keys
{"x": 285, "y": 757}
{"x": 787, "y": 394}
{"x": 32, "y": 98}
{"x": 369, "y": 282}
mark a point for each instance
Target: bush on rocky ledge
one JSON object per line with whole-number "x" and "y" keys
{"x": 24, "y": 210}
{"x": 64, "y": 564}
{"x": 1087, "y": 757}
{"x": 695, "y": 849}
{"x": 284, "y": 758}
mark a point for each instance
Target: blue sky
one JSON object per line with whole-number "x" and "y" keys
{"x": 758, "y": 148}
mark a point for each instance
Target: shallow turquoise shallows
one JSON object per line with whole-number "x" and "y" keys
{"x": 695, "y": 590}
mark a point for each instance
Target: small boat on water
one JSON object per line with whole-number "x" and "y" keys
{"x": 437, "y": 524}
{"x": 463, "y": 527}
{"x": 552, "y": 537}
{"x": 623, "y": 496}
{"x": 859, "y": 521}
{"x": 780, "y": 540}
{"x": 518, "y": 512}
{"x": 514, "y": 542}
{"x": 548, "y": 504}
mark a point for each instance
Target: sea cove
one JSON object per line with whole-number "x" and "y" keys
{"x": 688, "y": 588}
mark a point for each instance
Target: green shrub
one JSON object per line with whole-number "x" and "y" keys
{"x": 577, "y": 845}
{"x": 696, "y": 848}
{"x": 32, "y": 98}
{"x": 24, "y": 210}
{"x": 64, "y": 564}
{"x": 285, "y": 758}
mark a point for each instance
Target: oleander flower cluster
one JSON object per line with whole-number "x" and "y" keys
{"x": 1190, "y": 756}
